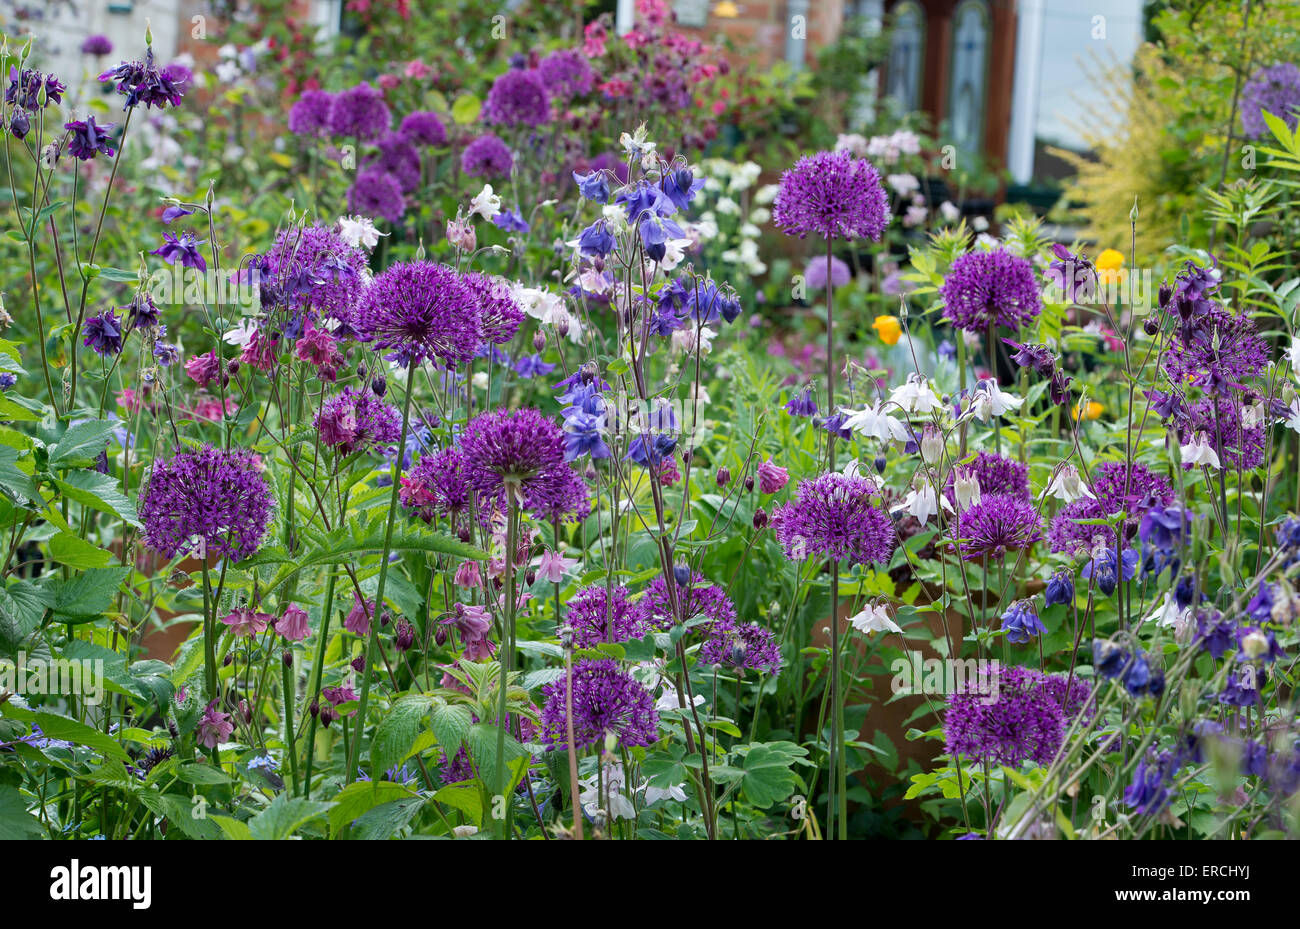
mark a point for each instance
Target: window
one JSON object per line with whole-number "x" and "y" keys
{"x": 906, "y": 51}
{"x": 968, "y": 83}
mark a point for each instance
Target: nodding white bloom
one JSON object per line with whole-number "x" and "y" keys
{"x": 916, "y": 396}
{"x": 480, "y": 380}
{"x": 904, "y": 184}
{"x": 358, "y": 231}
{"x": 549, "y": 309}
{"x": 1293, "y": 421}
{"x": 1067, "y": 485}
{"x": 932, "y": 444}
{"x": 242, "y": 333}
{"x": 988, "y": 399}
{"x": 922, "y": 501}
{"x": 872, "y": 422}
{"x": 688, "y": 339}
{"x": 1252, "y": 415}
{"x": 966, "y": 483}
{"x": 596, "y": 802}
{"x": 655, "y": 794}
{"x": 675, "y": 253}
{"x": 874, "y": 619}
{"x": 949, "y": 211}
{"x": 1199, "y": 452}
{"x": 485, "y": 203}
{"x": 1167, "y": 613}
{"x": 1293, "y": 355}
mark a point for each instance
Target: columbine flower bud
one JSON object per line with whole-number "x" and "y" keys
{"x": 931, "y": 444}
{"x": 359, "y": 664}
{"x": 287, "y": 657}
{"x": 1151, "y": 325}
{"x": 723, "y": 477}
{"x": 967, "y": 487}
{"x": 539, "y": 340}
{"x": 379, "y": 385}
{"x": 760, "y": 519}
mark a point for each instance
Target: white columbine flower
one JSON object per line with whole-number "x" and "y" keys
{"x": 1068, "y": 486}
{"x": 241, "y": 334}
{"x": 1293, "y": 422}
{"x": 922, "y": 502}
{"x": 359, "y": 230}
{"x": 874, "y": 619}
{"x": 1293, "y": 355}
{"x": 989, "y": 399}
{"x": 872, "y": 422}
{"x": 486, "y": 203}
{"x": 916, "y": 396}
{"x": 966, "y": 484}
{"x": 1167, "y": 613}
{"x": 1199, "y": 452}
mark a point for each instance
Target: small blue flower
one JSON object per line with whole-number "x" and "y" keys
{"x": 1022, "y": 623}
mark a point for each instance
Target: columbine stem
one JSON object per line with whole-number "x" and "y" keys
{"x": 351, "y": 774}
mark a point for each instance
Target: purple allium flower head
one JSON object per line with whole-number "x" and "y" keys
{"x": 815, "y": 273}
{"x": 514, "y": 451}
{"x": 359, "y": 112}
{"x": 558, "y": 495}
{"x": 436, "y": 486}
{"x": 97, "y": 45}
{"x": 606, "y": 700}
{"x": 1145, "y": 489}
{"x": 1276, "y": 90}
{"x": 1023, "y": 723}
{"x": 210, "y": 500}
{"x": 486, "y": 157}
{"x": 501, "y": 316}
{"x": 566, "y": 74}
{"x": 997, "y": 474}
{"x": 595, "y": 617}
{"x": 357, "y": 420}
{"x": 313, "y": 268}
{"x": 183, "y": 248}
{"x": 1218, "y": 351}
{"x": 104, "y": 333}
{"x": 88, "y": 140}
{"x": 143, "y": 82}
{"x": 517, "y": 98}
{"x": 375, "y": 192}
{"x": 423, "y": 127}
{"x": 998, "y": 524}
{"x": 836, "y": 516}
{"x": 1072, "y": 694}
{"x": 398, "y": 156}
{"x": 743, "y": 646}
{"x": 993, "y": 288}
{"x": 422, "y": 310}
{"x": 310, "y": 113}
{"x": 831, "y": 195}
{"x": 698, "y": 598}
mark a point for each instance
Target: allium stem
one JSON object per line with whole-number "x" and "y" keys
{"x": 364, "y": 698}
{"x": 840, "y": 793}
{"x": 507, "y": 652}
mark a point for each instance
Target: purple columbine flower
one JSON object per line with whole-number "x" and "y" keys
{"x": 987, "y": 289}
{"x": 831, "y": 195}
{"x": 593, "y": 186}
{"x": 88, "y": 140}
{"x": 25, "y": 87}
{"x": 183, "y": 248}
{"x": 680, "y": 186}
{"x": 104, "y": 333}
{"x": 1164, "y": 528}
{"x": 606, "y": 701}
{"x": 596, "y": 241}
{"x": 143, "y": 82}
{"x": 173, "y": 213}
{"x": 583, "y": 435}
{"x": 1060, "y": 589}
{"x": 802, "y": 404}
{"x": 510, "y": 221}
{"x": 211, "y": 500}
{"x": 531, "y": 366}
{"x": 706, "y": 301}
{"x": 1106, "y": 572}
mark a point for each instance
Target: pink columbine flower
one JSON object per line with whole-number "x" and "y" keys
{"x": 771, "y": 477}
{"x": 246, "y": 622}
{"x": 215, "y": 727}
{"x": 292, "y": 625}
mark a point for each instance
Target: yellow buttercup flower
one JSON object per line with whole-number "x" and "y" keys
{"x": 726, "y": 9}
{"x": 1110, "y": 266}
{"x": 1092, "y": 411}
{"x": 889, "y": 328}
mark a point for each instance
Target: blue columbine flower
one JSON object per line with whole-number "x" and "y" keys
{"x": 1060, "y": 589}
{"x": 510, "y": 221}
{"x": 680, "y": 186}
{"x": 802, "y": 404}
{"x": 531, "y": 366}
{"x": 706, "y": 301}
{"x": 1164, "y": 527}
{"x": 582, "y": 436}
{"x": 104, "y": 333}
{"x": 655, "y": 232}
{"x": 1021, "y": 622}
{"x": 7, "y": 380}
{"x": 596, "y": 241}
{"x": 593, "y": 186}
{"x": 1107, "y": 573}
